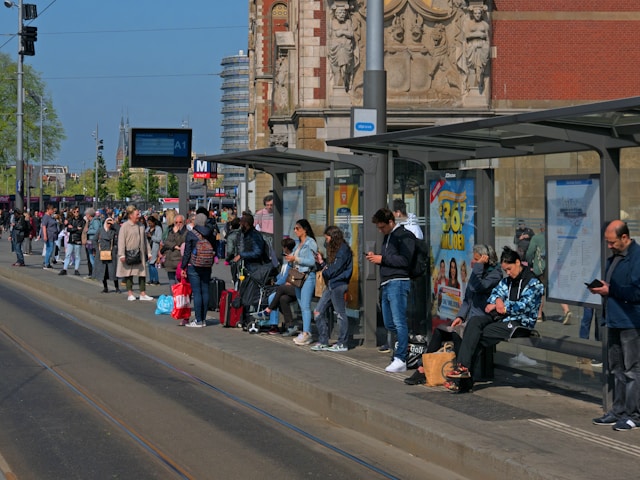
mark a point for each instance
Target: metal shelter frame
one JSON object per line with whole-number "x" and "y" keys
{"x": 606, "y": 127}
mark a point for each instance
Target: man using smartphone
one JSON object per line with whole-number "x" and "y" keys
{"x": 620, "y": 291}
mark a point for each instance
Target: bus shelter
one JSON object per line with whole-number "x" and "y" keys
{"x": 606, "y": 128}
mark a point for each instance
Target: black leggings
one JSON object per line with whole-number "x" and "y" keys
{"x": 285, "y": 294}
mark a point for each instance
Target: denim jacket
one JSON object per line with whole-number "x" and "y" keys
{"x": 306, "y": 255}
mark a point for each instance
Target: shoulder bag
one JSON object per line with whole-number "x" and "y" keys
{"x": 296, "y": 277}
{"x": 133, "y": 256}
{"x": 105, "y": 255}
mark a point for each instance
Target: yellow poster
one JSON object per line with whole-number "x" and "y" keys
{"x": 346, "y": 203}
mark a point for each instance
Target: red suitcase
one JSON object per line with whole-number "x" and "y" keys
{"x": 230, "y": 316}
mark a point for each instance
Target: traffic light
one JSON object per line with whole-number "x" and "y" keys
{"x": 29, "y": 37}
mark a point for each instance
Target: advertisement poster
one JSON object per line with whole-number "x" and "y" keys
{"x": 346, "y": 203}
{"x": 574, "y": 239}
{"x": 452, "y": 205}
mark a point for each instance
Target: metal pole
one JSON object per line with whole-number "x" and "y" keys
{"x": 41, "y": 202}
{"x": 95, "y": 198}
{"x": 19, "y": 119}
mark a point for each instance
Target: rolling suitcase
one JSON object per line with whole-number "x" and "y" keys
{"x": 216, "y": 287}
{"x": 230, "y": 316}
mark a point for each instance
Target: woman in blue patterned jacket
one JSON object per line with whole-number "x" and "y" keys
{"x": 514, "y": 302}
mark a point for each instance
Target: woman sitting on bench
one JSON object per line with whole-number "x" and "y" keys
{"x": 514, "y": 302}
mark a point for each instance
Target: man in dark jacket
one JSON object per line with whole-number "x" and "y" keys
{"x": 74, "y": 227}
{"x": 253, "y": 245}
{"x": 19, "y": 230}
{"x": 398, "y": 247}
{"x": 620, "y": 291}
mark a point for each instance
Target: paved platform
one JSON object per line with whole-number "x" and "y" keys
{"x": 510, "y": 428}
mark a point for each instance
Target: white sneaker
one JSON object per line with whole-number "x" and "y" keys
{"x": 397, "y": 366}
{"x": 303, "y": 339}
{"x": 521, "y": 360}
{"x": 194, "y": 324}
{"x": 132, "y": 298}
{"x": 146, "y": 298}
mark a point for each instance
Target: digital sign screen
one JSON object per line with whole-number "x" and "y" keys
{"x": 161, "y": 148}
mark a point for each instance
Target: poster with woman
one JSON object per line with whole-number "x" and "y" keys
{"x": 452, "y": 235}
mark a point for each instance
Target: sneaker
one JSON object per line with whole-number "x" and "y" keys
{"x": 62, "y": 272}
{"x": 606, "y": 419}
{"x": 274, "y": 330}
{"x": 384, "y": 349}
{"x": 459, "y": 372}
{"x": 77, "y": 273}
{"x": 291, "y": 331}
{"x": 194, "y": 324}
{"x": 18, "y": 264}
{"x": 566, "y": 318}
{"x": 396, "y": 366}
{"x": 521, "y": 360}
{"x": 596, "y": 363}
{"x": 303, "y": 339}
{"x": 418, "y": 378}
{"x": 260, "y": 315}
{"x": 338, "y": 347}
{"x": 118, "y": 290}
{"x": 146, "y": 298}
{"x": 132, "y": 298}
{"x": 624, "y": 425}
{"x": 319, "y": 347}
{"x": 47, "y": 267}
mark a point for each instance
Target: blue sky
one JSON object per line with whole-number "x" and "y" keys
{"x": 156, "y": 60}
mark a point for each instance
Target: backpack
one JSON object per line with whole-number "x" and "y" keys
{"x": 203, "y": 254}
{"x": 420, "y": 263}
{"x": 539, "y": 265}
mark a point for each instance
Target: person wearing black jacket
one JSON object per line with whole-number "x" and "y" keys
{"x": 199, "y": 277}
{"x": 20, "y": 229}
{"x": 398, "y": 248}
{"x": 74, "y": 227}
{"x": 336, "y": 270}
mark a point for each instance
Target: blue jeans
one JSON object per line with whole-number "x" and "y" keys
{"x": 199, "y": 278}
{"x": 49, "y": 246}
{"x": 304, "y": 296}
{"x": 273, "y": 315}
{"x": 585, "y": 324}
{"x": 624, "y": 364}
{"x": 17, "y": 248}
{"x": 153, "y": 273}
{"x": 395, "y": 295}
{"x": 72, "y": 249}
{"x": 334, "y": 296}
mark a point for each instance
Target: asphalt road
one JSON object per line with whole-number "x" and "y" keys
{"x": 82, "y": 400}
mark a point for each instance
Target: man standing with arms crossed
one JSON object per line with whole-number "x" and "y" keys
{"x": 398, "y": 247}
{"x": 620, "y": 292}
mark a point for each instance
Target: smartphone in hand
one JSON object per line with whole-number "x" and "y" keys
{"x": 594, "y": 284}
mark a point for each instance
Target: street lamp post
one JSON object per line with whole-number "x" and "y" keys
{"x": 42, "y": 110}
{"x": 25, "y": 47}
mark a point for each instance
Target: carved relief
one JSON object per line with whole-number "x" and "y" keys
{"x": 281, "y": 85}
{"x": 343, "y": 53}
{"x": 436, "y": 51}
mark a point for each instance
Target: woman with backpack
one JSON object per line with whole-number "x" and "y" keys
{"x": 196, "y": 267}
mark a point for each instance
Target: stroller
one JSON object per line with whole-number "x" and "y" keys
{"x": 254, "y": 293}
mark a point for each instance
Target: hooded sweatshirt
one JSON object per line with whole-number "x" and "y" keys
{"x": 521, "y": 296}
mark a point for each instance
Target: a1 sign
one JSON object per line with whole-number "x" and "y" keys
{"x": 201, "y": 169}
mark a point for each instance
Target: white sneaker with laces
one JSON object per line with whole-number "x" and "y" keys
{"x": 146, "y": 298}
{"x": 397, "y": 366}
{"x": 194, "y": 324}
{"x": 132, "y": 298}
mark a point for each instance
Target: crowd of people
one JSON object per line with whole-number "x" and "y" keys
{"x": 499, "y": 296}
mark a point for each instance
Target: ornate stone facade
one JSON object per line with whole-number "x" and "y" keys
{"x": 436, "y": 52}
